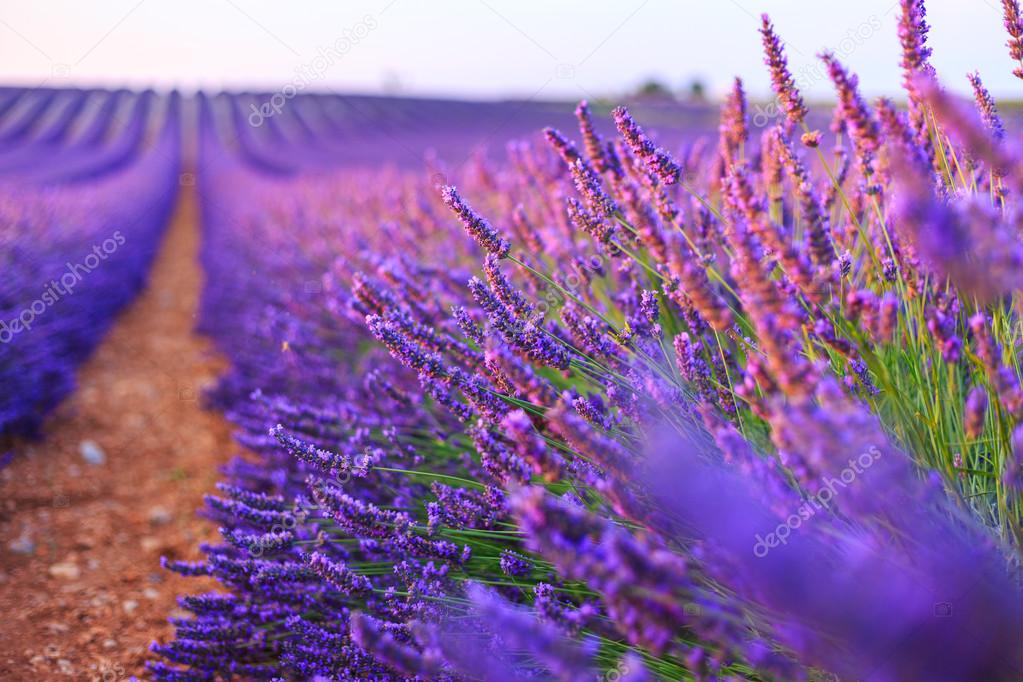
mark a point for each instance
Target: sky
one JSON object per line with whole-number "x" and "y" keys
{"x": 530, "y": 49}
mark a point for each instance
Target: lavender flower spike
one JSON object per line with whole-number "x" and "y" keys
{"x": 476, "y": 225}
{"x": 915, "y": 55}
{"x": 1012, "y": 477}
{"x": 781, "y": 78}
{"x": 861, "y": 124}
{"x": 587, "y": 182}
{"x": 913, "y": 37}
{"x": 592, "y": 142}
{"x": 658, "y": 161}
{"x": 976, "y": 410}
{"x": 1014, "y": 25}
{"x": 986, "y": 106}
{"x": 733, "y": 129}
{"x": 566, "y": 150}
{"x": 599, "y": 229}
{"x": 913, "y": 30}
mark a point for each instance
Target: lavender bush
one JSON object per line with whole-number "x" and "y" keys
{"x": 609, "y": 410}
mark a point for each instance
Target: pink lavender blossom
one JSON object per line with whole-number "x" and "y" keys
{"x": 857, "y": 117}
{"x": 784, "y": 85}
{"x": 658, "y": 161}
{"x": 986, "y": 106}
{"x": 1014, "y": 26}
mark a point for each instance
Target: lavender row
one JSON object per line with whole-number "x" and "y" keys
{"x": 740, "y": 409}
{"x": 82, "y": 212}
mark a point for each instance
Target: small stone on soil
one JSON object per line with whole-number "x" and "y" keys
{"x": 65, "y": 570}
{"x": 92, "y": 453}
{"x": 159, "y": 516}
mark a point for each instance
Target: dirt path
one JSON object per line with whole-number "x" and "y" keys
{"x": 82, "y": 593}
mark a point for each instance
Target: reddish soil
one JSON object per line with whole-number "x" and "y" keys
{"x": 82, "y": 593}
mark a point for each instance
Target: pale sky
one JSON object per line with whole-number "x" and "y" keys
{"x": 543, "y": 49}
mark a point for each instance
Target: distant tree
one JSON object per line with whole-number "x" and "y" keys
{"x": 654, "y": 89}
{"x": 697, "y": 90}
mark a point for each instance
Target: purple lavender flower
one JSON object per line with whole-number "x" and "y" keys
{"x": 916, "y": 55}
{"x": 531, "y": 448}
{"x": 504, "y": 289}
{"x": 1014, "y": 26}
{"x": 966, "y": 242}
{"x": 475, "y": 224}
{"x": 986, "y": 106}
{"x": 588, "y": 184}
{"x": 784, "y": 85}
{"x": 697, "y": 288}
{"x": 1012, "y": 477}
{"x": 812, "y": 610}
{"x": 592, "y": 141}
{"x": 965, "y": 126}
{"x": 733, "y": 130}
{"x": 526, "y": 231}
{"x": 658, "y": 161}
{"x": 942, "y": 327}
{"x": 384, "y": 640}
{"x": 822, "y": 249}
{"x": 587, "y": 441}
{"x": 339, "y": 575}
{"x": 514, "y": 644}
{"x": 854, "y": 112}
{"x": 550, "y": 607}
{"x": 637, "y": 582}
{"x": 898, "y": 134}
{"x": 692, "y": 365}
{"x": 1003, "y": 378}
{"x": 464, "y": 508}
{"x": 975, "y": 411}
{"x": 467, "y": 325}
{"x": 584, "y": 220}
{"x": 569, "y": 154}
{"x": 514, "y": 564}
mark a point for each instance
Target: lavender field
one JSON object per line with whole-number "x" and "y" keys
{"x": 520, "y": 389}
